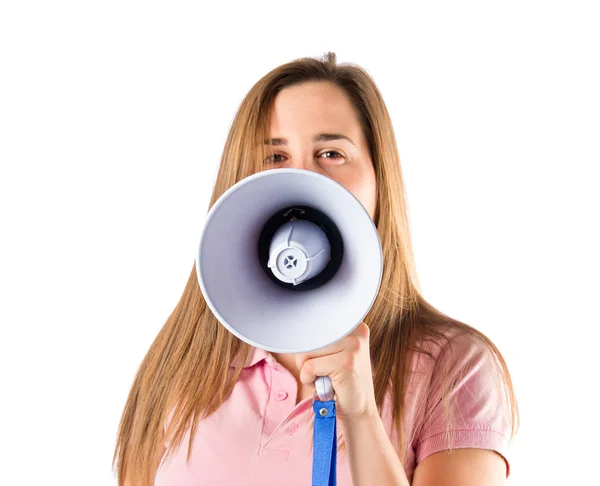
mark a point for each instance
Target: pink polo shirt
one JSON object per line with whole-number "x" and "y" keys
{"x": 261, "y": 437}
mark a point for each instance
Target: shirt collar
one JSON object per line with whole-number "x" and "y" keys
{"x": 254, "y": 356}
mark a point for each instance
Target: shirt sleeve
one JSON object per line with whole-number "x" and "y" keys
{"x": 477, "y": 414}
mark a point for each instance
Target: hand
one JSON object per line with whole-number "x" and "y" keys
{"x": 348, "y": 364}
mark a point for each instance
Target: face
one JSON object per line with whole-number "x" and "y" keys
{"x": 313, "y": 126}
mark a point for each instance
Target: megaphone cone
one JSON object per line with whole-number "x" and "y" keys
{"x": 295, "y": 288}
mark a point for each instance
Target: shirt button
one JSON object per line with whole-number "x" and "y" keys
{"x": 282, "y": 395}
{"x": 276, "y": 367}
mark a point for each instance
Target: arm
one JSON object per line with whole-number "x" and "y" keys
{"x": 373, "y": 460}
{"x": 371, "y": 455}
{"x": 467, "y": 467}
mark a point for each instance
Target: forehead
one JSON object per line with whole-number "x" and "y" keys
{"x": 313, "y": 107}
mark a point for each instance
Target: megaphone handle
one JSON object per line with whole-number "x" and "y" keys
{"x": 324, "y": 388}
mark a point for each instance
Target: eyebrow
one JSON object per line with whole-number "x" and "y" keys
{"x": 321, "y": 137}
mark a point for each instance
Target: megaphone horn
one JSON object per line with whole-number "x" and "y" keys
{"x": 289, "y": 261}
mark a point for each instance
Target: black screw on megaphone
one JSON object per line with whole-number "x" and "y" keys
{"x": 324, "y": 223}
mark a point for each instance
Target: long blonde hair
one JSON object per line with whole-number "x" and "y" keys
{"x": 400, "y": 320}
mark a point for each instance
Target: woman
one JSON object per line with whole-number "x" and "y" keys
{"x": 411, "y": 383}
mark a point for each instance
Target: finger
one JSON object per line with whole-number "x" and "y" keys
{"x": 351, "y": 342}
{"x": 362, "y": 331}
{"x": 340, "y": 362}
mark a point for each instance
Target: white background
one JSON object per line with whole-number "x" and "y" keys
{"x": 113, "y": 116}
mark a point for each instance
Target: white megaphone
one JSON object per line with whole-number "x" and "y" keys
{"x": 289, "y": 261}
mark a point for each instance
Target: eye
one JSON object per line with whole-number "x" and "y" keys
{"x": 336, "y": 155}
{"x": 269, "y": 159}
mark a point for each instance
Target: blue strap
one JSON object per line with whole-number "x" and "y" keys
{"x": 325, "y": 448}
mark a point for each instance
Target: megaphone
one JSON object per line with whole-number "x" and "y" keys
{"x": 289, "y": 261}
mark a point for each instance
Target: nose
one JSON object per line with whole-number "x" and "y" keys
{"x": 306, "y": 163}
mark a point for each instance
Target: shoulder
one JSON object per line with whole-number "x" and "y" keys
{"x": 467, "y": 399}
{"x": 463, "y": 353}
